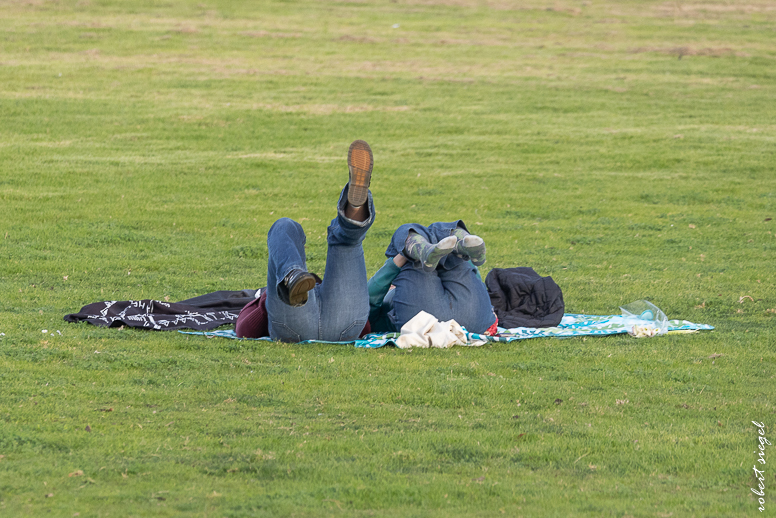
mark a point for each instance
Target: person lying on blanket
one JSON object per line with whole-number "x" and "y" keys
{"x": 297, "y": 305}
{"x": 431, "y": 269}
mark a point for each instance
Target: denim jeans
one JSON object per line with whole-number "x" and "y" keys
{"x": 338, "y": 308}
{"x": 452, "y": 291}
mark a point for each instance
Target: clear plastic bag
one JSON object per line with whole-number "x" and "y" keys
{"x": 644, "y": 319}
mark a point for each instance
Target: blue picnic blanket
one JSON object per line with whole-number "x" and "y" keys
{"x": 571, "y": 325}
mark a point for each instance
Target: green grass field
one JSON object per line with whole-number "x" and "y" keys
{"x": 627, "y": 149}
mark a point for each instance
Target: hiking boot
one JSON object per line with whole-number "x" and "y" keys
{"x": 360, "y": 162}
{"x": 295, "y": 287}
{"x": 469, "y": 247}
{"x": 417, "y": 248}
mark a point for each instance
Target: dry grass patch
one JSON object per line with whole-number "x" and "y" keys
{"x": 266, "y": 34}
{"x": 715, "y": 52}
{"x": 677, "y": 8}
{"x": 356, "y": 39}
{"x": 496, "y": 5}
{"x": 326, "y": 109}
{"x": 305, "y": 155}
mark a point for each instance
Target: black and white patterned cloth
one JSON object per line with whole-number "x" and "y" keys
{"x": 201, "y": 313}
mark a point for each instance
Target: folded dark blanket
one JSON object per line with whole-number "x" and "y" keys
{"x": 201, "y": 313}
{"x": 522, "y": 298}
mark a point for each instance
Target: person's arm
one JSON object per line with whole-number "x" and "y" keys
{"x": 380, "y": 283}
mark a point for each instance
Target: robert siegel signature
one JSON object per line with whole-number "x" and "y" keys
{"x": 760, "y": 474}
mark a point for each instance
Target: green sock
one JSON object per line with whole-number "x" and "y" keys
{"x": 470, "y": 248}
{"x": 418, "y": 249}
{"x": 460, "y": 233}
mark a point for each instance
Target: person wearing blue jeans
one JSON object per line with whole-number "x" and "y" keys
{"x": 299, "y": 305}
{"x": 434, "y": 270}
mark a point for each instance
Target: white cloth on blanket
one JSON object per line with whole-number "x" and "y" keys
{"x": 425, "y": 331}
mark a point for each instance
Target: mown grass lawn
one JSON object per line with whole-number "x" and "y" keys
{"x": 627, "y": 149}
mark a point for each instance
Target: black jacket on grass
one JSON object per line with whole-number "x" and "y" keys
{"x": 523, "y": 298}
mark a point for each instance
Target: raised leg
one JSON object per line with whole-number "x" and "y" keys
{"x": 344, "y": 297}
{"x": 285, "y": 245}
{"x": 338, "y": 308}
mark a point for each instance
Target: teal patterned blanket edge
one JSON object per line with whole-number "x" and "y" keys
{"x": 571, "y": 325}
